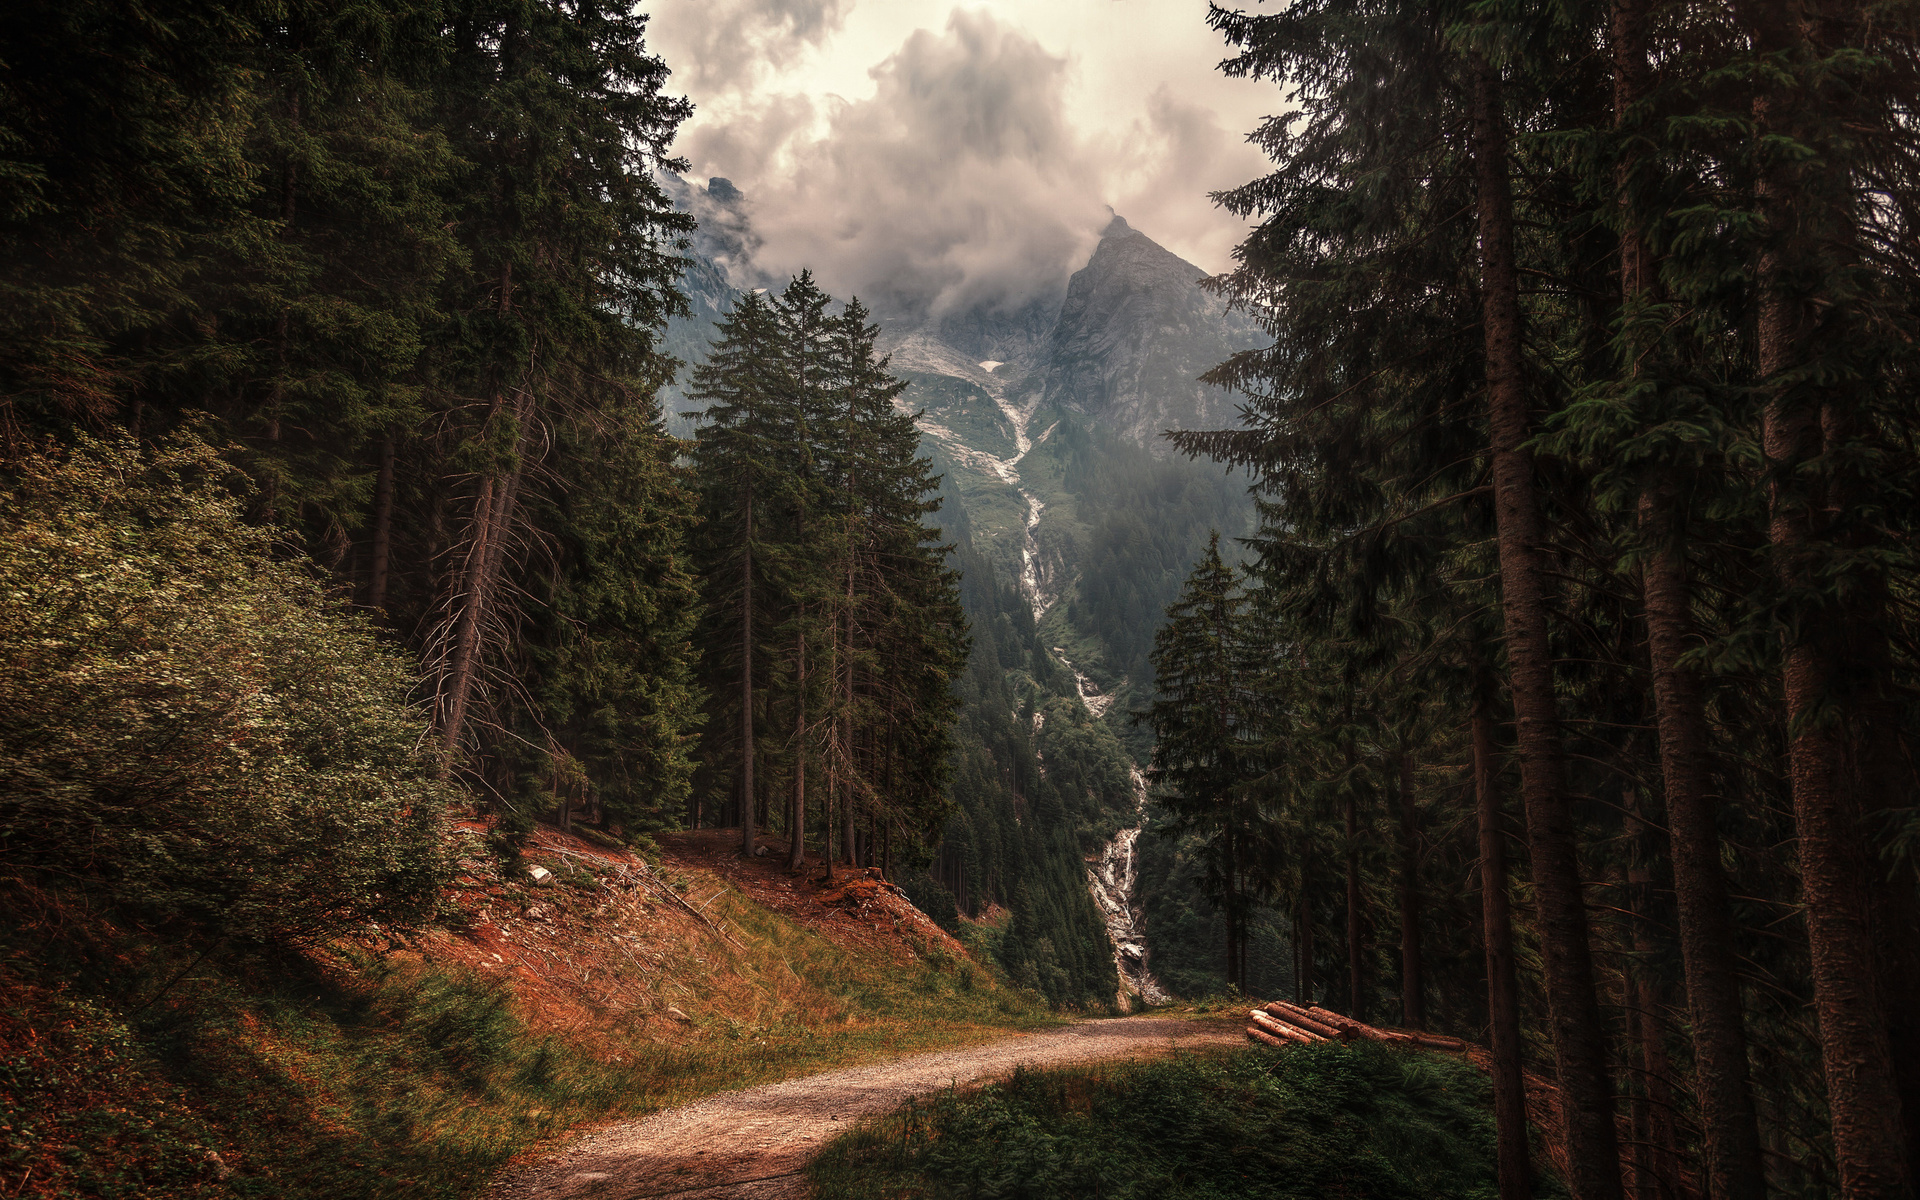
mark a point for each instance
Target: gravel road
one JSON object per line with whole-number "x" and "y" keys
{"x": 753, "y": 1144}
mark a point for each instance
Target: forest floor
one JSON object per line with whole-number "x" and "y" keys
{"x": 754, "y": 1144}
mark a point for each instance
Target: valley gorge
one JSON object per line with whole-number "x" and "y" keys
{"x": 1043, "y": 415}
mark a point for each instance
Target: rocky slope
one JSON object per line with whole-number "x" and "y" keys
{"x": 1133, "y": 336}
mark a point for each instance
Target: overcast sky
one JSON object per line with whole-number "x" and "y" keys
{"x": 965, "y": 152}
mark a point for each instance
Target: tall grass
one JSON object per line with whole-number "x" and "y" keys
{"x": 1359, "y": 1123}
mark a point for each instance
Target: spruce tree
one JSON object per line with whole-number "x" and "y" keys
{"x": 1201, "y": 728}
{"x": 737, "y": 456}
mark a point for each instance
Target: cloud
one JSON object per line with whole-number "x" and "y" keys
{"x": 958, "y": 183}
{"x": 1175, "y": 154}
{"x": 727, "y": 45}
{"x": 754, "y": 145}
{"x": 963, "y": 181}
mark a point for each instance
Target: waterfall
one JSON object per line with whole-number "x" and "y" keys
{"x": 1113, "y": 879}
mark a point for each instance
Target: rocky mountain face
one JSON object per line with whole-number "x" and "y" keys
{"x": 1133, "y": 336}
{"x": 1022, "y": 402}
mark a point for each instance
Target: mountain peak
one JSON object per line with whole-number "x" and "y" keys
{"x": 1117, "y": 227}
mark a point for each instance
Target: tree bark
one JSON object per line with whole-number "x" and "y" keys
{"x": 1868, "y": 1129}
{"x": 1656, "y": 1154}
{"x": 1869, "y": 1133}
{"x": 746, "y": 679}
{"x": 1354, "y": 993}
{"x": 797, "y": 800}
{"x": 493, "y": 511}
{"x": 1882, "y": 776}
{"x": 1885, "y": 781}
{"x": 1303, "y": 980}
{"x": 1503, "y": 988}
{"x": 1579, "y": 1042}
{"x": 1729, "y": 1126}
{"x": 846, "y": 726}
{"x": 474, "y": 583}
{"x": 383, "y": 487}
{"x": 1413, "y": 1009}
{"x": 1231, "y": 910}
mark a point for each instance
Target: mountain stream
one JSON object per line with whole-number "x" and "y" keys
{"x": 1113, "y": 879}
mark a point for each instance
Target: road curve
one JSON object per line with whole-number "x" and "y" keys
{"x": 754, "y": 1144}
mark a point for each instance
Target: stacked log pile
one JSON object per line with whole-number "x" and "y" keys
{"x": 1283, "y": 1024}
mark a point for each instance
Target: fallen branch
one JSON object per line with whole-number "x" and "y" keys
{"x": 666, "y": 890}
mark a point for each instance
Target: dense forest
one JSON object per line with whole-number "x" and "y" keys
{"x": 1565, "y": 700}
{"x": 336, "y": 338}
{"x": 338, "y": 483}
{"x": 1561, "y": 698}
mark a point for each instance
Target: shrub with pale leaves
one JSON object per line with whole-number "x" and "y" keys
{"x": 190, "y": 729}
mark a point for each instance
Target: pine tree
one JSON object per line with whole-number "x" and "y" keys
{"x": 805, "y": 414}
{"x": 1201, "y": 727}
{"x": 736, "y": 465}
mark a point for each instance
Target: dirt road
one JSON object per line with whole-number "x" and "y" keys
{"x": 753, "y": 1144}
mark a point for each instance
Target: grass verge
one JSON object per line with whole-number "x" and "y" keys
{"x": 132, "y": 1070}
{"x": 1359, "y": 1122}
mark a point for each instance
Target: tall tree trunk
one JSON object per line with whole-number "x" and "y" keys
{"x": 1355, "y": 996}
{"x": 493, "y": 512}
{"x": 827, "y": 797}
{"x": 746, "y": 679}
{"x": 1303, "y": 982}
{"x": 845, "y": 626}
{"x": 1885, "y": 781}
{"x": 1579, "y": 1041}
{"x": 1729, "y": 1126}
{"x": 383, "y": 488}
{"x": 1352, "y": 825}
{"x": 1413, "y": 1008}
{"x": 1882, "y": 776}
{"x": 1869, "y": 1132}
{"x": 474, "y": 582}
{"x": 797, "y": 799}
{"x": 1656, "y": 1152}
{"x": 1503, "y": 988}
{"x": 1231, "y": 910}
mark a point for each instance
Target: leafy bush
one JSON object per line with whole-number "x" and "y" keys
{"x": 189, "y": 728}
{"x": 1361, "y": 1122}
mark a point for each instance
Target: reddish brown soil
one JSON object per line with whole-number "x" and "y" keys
{"x": 858, "y": 910}
{"x": 616, "y": 944}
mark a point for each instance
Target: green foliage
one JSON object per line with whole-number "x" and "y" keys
{"x": 189, "y": 728}
{"x": 1186, "y": 930}
{"x": 819, "y": 566}
{"x": 405, "y": 264}
{"x": 1300, "y": 1124}
{"x": 124, "y": 184}
{"x": 609, "y": 638}
{"x": 1019, "y": 833}
{"x": 1146, "y": 520}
